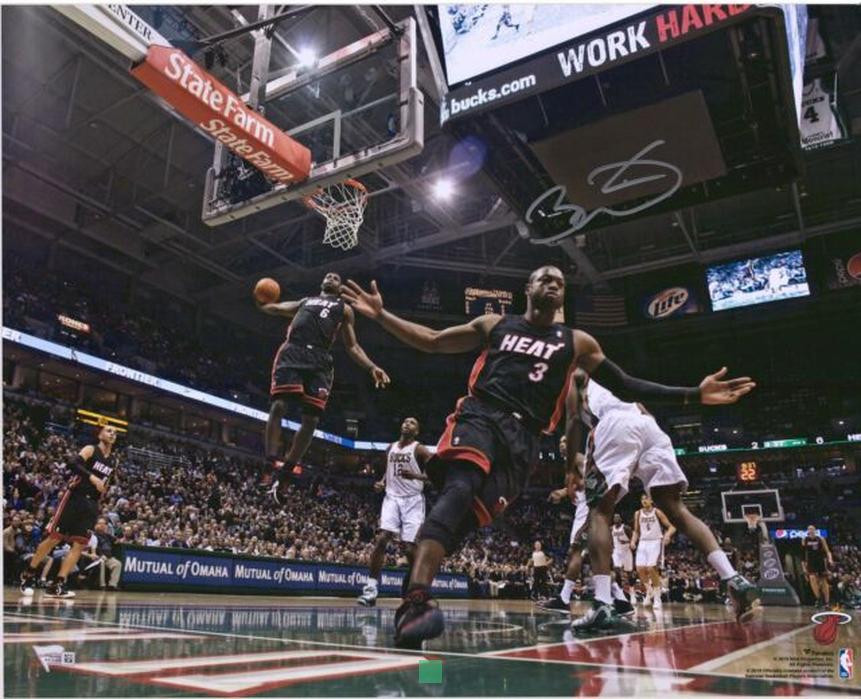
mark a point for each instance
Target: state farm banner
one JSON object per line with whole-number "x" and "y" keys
{"x": 671, "y": 302}
{"x": 611, "y": 46}
{"x": 202, "y": 99}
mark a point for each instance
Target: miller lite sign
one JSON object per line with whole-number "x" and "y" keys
{"x": 676, "y": 300}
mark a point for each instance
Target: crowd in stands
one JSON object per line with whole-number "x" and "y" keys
{"x": 157, "y": 333}
{"x": 172, "y": 494}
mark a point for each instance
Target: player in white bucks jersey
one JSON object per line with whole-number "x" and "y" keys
{"x": 404, "y": 504}
{"x": 623, "y": 557}
{"x": 628, "y": 442}
{"x": 649, "y": 541}
{"x": 577, "y": 546}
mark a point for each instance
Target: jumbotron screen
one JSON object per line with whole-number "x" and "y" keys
{"x": 757, "y": 280}
{"x": 481, "y": 38}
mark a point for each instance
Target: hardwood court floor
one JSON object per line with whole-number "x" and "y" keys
{"x": 136, "y": 644}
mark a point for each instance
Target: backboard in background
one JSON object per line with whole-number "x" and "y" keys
{"x": 357, "y": 109}
{"x": 766, "y": 502}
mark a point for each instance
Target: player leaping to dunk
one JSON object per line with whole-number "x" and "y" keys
{"x": 517, "y": 389}
{"x": 303, "y": 369}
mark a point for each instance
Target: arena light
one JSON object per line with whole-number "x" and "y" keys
{"x": 443, "y": 189}
{"x": 306, "y": 56}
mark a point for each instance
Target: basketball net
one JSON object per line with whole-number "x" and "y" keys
{"x": 752, "y": 520}
{"x": 343, "y": 206}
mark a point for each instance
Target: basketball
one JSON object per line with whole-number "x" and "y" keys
{"x": 267, "y": 290}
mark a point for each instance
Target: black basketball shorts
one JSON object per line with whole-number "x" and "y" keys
{"x": 498, "y": 443}
{"x": 816, "y": 566}
{"x": 75, "y": 518}
{"x": 306, "y": 373}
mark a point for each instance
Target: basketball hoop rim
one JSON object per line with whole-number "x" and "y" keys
{"x": 752, "y": 520}
{"x": 308, "y": 200}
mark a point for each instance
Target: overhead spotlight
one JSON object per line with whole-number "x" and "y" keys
{"x": 443, "y": 189}
{"x": 306, "y": 56}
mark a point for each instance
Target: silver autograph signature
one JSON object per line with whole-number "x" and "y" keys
{"x": 579, "y": 217}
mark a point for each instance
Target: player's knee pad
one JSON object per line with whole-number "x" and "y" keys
{"x": 452, "y": 516}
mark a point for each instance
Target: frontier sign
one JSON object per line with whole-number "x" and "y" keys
{"x": 202, "y": 99}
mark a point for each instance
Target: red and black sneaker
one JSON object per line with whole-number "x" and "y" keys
{"x": 273, "y": 468}
{"x": 417, "y": 619}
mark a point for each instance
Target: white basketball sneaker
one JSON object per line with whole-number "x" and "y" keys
{"x": 368, "y": 598}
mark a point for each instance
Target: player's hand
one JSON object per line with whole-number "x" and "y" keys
{"x": 556, "y": 495}
{"x": 379, "y": 486}
{"x": 714, "y": 391}
{"x": 369, "y": 304}
{"x": 381, "y": 378}
{"x": 98, "y": 484}
{"x": 666, "y": 540}
{"x": 633, "y": 545}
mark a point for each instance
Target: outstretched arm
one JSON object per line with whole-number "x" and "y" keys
{"x": 573, "y": 460}
{"x": 286, "y": 309}
{"x": 459, "y": 338}
{"x": 711, "y": 391}
{"x": 357, "y": 354}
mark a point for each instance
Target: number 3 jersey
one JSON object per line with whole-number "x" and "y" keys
{"x": 526, "y": 368}
{"x": 402, "y": 460}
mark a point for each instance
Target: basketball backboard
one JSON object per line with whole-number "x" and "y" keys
{"x": 357, "y": 109}
{"x": 737, "y": 503}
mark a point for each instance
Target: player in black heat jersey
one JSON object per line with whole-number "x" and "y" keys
{"x": 817, "y": 559}
{"x": 518, "y": 388}
{"x": 92, "y": 470}
{"x": 303, "y": 369}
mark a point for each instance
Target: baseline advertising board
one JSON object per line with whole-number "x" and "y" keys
{"x": 181, "y": 569}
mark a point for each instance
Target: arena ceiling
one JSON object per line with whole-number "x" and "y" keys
{"x": 92, "y": 163}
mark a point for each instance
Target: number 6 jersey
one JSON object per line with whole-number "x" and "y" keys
{"x": 526, "y": 368}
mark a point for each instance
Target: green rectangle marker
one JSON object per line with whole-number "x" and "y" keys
{"x": 430, "y": 671}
